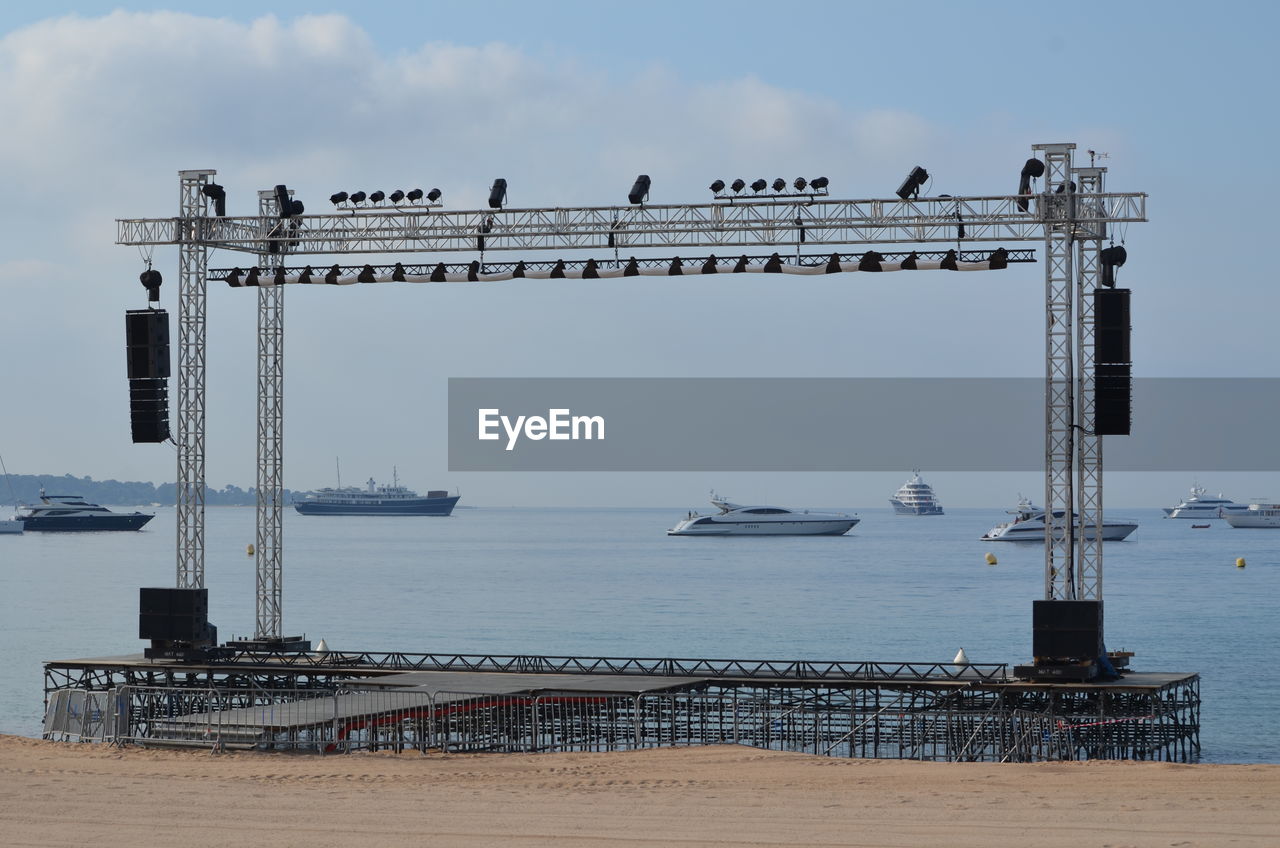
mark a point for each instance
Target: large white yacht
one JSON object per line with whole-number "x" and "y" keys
{"x": 1200, "y": 505}
{"x": 1254, "y": 515}
{"x": 737, "y": 520}
{"x": 915, "y": 498}
{"x": 1028, "y": 526}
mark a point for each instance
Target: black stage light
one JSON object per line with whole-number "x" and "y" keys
{"x": 818, "y": 184}
{"x": 397, "y": 196}
{"x": 1032, "y": 168}
{"x": 151, "y": 279}
{"x": 340, "y": 197}
{"x": 414, "y": 195}
{"x": 498, "y": 193}
{"x": 800, "y": 183}
{"x": 296, "y": 208}
{"x": 1111, "y": 258}
{"x": 717, "y": 186}
{"x": 639, "y": 189}
{"x": 911, "y": 185}
{"x": 759, "y": 186}
{"x": 737, "y": 186}
{"x": 218, "y": 195}
{"x": 357, "y": 197}
{"x": 432, "y": 195}
{"x": 779, "y": 184}
{"x": 377, "y": 197}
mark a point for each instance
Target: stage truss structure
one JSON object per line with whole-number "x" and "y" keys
{"x": 1071, "y": 214}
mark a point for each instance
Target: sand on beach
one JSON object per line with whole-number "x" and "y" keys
{"x": 63, "y": 794}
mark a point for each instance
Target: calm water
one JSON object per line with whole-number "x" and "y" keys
{"x": 610, "y": 582}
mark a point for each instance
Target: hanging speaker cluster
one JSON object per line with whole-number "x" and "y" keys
{"x": 1113, "y": 363}
{"x": 147, "y": 360}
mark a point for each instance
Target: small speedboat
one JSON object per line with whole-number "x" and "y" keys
{"x": 72, "y": 513}
{"x": 737, "y": 520}
{"x": 1028, "y": 525}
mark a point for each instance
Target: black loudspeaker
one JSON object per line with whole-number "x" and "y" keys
{"x": 174, "y": 615}
{"x": 1111, "y": 326}
{"x": 149, "y": 410}
{"x": 146, "y": 333}
{"x": 1066, "y": 630}
{"x": 1112, "y": 400}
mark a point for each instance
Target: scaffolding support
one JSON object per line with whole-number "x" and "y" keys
{"x": 268, "y": 550}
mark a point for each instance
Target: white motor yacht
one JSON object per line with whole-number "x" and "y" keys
{"x": 1028, "y": 526}
{"x": 915, "y": 498}
{"x": 1254, "y": 515}
{"x": 737, "y": 520}
{"x": 1201, "y": 506}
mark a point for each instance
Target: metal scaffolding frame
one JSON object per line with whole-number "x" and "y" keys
{"x": 1071, "y": 218}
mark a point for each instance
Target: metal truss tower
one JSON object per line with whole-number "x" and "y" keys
{"x": 1070, "y": 216}
{"x": 191, "y": 235}
{"x": 268, "y": 551}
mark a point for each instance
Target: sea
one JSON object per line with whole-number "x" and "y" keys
{"x": 610, "y": 582}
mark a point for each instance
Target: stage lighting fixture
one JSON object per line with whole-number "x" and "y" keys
{"x": 414, "y": 195}
{"x": 377, "y": 197}
{"x": 283, "y": 205}
{"x": 397, "y": 196}
{"x": 717, "y": 186}
{"x": 498, "y": 193}
{"x": 911, "y": 185}
{"x": 737, "y": 186}
{"x": 639, "y": 189}
{"x": 1111, "y": 258}
{"x": 357, "y": 197}
{"x": 818, "y": 184}
{"x": 800, "y": 183}
{"x": 1032, "y": 168}
{"x": 779, "y": 184}
{"x": 340, "y": 197}
{"x": 218, "y": 195}
{"x": 151, "y": 279}
{"x": 296, "y": 208}
{"x": 759, "y": 186}
{"x": 432, "y": 195}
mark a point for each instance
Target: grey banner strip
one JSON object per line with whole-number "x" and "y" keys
{"x": 841, "y": 424}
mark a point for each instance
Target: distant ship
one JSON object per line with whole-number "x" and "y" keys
{"x": 1256, "y": 515}
{"x": 915, "y": 498}
{"x": 1200, "y": 506}
{"x": 376, "y": 500}
{"x": 71, "y": 513}
{"x": 736, "y": 520}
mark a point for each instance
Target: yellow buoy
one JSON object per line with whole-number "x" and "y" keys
{"x": 991, "y": 559}
{"x": 1239, "y": 562}
{"x": 249, "y": 550}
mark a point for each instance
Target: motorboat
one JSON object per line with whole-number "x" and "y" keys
{"x": 376, "y": 500}
{"x": 1254, "y": 515}
{"x": 72, "y": 513}
{"x": 1199, "y": 505}
{"x": 1028, "y": 526}
{"x": 915, "y": 498}
{"x": 738, "y": 520}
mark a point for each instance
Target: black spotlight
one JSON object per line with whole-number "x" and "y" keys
{"x": 296, "y": 208}
{"x": 414, "y": 195}
{"x": 432, "y": 195}
{"x": 377, "y": 197}
{"x": 800, "y": 183}
{"x": 818, "y": 184}
{"x": 340, "y": 197}
{"x": 717, "y": 186}
{"x": 498, "y": 193}
{"x": 1032, "y": 168}
{"x": 218, "y": 195}
{"x": 759, "y": 186}
{"x": 911, "y": 185}
{"x": 151, "y": 279}
{"x": 639, "y": 189}
{"x": 779, "y": 184}
{"x": 1111, "y": 258}
{"x": 397, "y": 196}
{"x": 737, "y": 186}
{"x": 357, "y": 197}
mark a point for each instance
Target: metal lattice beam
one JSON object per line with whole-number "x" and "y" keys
{"x": 268, "y": 551}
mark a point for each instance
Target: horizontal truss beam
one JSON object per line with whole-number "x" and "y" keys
{"x": 610, "y": 268}
{"x": 760, "y": 223}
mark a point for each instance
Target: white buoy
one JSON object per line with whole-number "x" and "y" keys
{"x": 961, "y": 658}
{"x": 991, "y": 559}
{"x": 321, "y": 647}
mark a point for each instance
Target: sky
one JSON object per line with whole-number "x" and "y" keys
{"x": 569, "y": 101}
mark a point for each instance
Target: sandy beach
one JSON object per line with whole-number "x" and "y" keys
{"x": 56, "y": 794}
